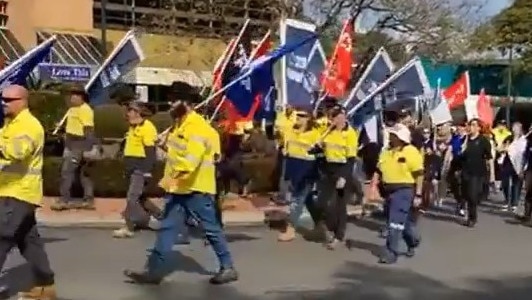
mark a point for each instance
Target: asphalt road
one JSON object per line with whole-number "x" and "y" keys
{"x": 492, "y": 261}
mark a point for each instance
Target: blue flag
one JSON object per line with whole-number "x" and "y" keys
{"x": 266, "y": 109}
{"x": 410, "y": 87}
{"x": 378, "y": 70}
{"x": 19, "y": 70}
{"x": 302, "y": 69}
{"x": 256, "y": 78}
{"x": 124, "y": 58}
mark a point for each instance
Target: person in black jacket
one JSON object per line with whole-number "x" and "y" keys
{"x": 526, "y": 174}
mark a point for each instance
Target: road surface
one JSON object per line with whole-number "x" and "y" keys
{"x": 492, "y": 261}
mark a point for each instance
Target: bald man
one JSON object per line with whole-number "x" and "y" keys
{"x": 21, "y": 160}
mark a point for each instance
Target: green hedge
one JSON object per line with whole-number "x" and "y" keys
{"x": 109, "y": 181}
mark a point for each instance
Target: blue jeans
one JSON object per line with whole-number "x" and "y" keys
{"x": 300, "y": 198}
{"x": 511, "y": 187}
{"x": 400, "y": 221}
{"x": 198, "y": 206}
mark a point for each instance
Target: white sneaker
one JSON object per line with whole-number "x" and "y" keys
{"x": 505, "y": 207}
{"x": 461, "y": 212}
{"x": 514, "y": 209}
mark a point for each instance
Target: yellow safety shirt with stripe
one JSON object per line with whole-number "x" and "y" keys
{"x": 138, "y": 137}
{"x": 298, "y": 143}
{"x": 398, "y": 165}
{"x": 340, "y": 145}
{"x": 21, "y": 158}
{"x": 189, "y": 167}
{"x": 78, "y": 118}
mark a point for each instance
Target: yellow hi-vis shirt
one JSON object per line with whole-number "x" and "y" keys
{"x": 78, "y": 118}
{"x": 189, "y": 167}
{"x": 298, "y": 143}
{"x": 500, "y": 133}
{"x": 397, "y": 166}
{"x": 339, "y": 145}
{"x": 322, "y": 124}
{"x": 21, "y": 158}
{"x": 138, "y": 137}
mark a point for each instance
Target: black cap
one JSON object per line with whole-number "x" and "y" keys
{"x": 183, "y": 91}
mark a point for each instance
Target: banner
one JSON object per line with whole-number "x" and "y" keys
{"x": 301, "y": 69}
{"x": 19, "y": 70}
{"x": 124, "y": 58}
{"x": 58, "y": 72}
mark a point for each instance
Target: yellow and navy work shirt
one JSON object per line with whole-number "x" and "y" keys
{"x": 21, "y": 158}
{"x": 189, "y": 166}
{"x": 340, "y": 145}
{"x": 138, "y": 137}
{"x": 78, "y": 118}
{"x": 299, "y": 164}
{"x": 398, "y": 166}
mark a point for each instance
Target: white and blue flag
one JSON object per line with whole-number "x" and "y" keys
{"x": 301, "y": 70}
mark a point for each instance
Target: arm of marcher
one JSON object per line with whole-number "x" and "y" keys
{"x": 16, "y": 148}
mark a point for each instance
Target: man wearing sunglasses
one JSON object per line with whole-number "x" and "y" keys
{"x": 21, "y": 161}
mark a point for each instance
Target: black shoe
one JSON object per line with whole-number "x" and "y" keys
{"x": 142, "y": 277}
{"x": 470, "y": 223}
{"x": 224, "y": 276}
{"x": 4, "y": 292}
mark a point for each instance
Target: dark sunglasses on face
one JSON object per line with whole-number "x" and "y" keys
{"x": 7, "y": 99}
{"x": 302, "y": 115}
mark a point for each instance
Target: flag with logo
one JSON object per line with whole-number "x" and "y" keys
{"x": 19, "y": 70}
{"x": 377, "y": 71}
{"x": 438, "y": 109}
{"x": 301, "y": 70}
{"x": 337, "y": 75}
{"x": 256, "y": 78}
{"x": 457, "y": 94}
{"x": 410, "y": 88}
{"x": 124, "y": 58}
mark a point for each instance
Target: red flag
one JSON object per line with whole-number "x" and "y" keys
{"x": 484, "y": 109}
{"x": 233, "y": 116}
{"x": 458, "y": 92}
{"x": 338, "y": 72}
{"x": 220, "y": 65}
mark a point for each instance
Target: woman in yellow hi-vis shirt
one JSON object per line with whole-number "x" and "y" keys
{"x": 300, "y": 171}
{"x": 400, "y": 169}
{"x": 339, "y": 149}
{"x": 139, "y": 160}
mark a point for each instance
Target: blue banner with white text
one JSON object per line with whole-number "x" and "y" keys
{"x": 69, "y": 73}
{"x": 124, "y": 58}
{"x": 303, "y": 67}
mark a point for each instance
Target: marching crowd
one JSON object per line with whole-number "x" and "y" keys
{"x": 319, "y": 155}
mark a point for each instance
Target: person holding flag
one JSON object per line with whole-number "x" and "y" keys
{"x": 79, "y": 140}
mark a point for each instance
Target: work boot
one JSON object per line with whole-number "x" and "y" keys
{"x": 122, "y": 233}
{"x": 142, "y": 277}
{"x": 40, "y": 293}
{"x": 224, "y": 276}
{"x": 288, "y": 235}
{"x": 59, "y": 205}
{"x": 87, "y": 205}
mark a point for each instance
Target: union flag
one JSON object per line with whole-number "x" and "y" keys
{"x": 337, "y": 74}
{"x": 457, "y": 93}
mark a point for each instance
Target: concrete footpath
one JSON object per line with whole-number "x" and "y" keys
{"x": 237, "y": 212}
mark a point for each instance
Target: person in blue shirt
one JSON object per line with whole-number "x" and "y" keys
{"x": 456, "y": 143}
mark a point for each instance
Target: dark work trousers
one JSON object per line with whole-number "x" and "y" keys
{"x": 472, "y": 191}
{"x": 18, "y": 228}
{"x": 332, "y": 203}
{"x": 232, "y": 169}
{"x": 511, "y": 185}
{"x": 139, "y": 208}
{"x": 528, "y": 194}
{"x": 453, "y": 178}
{"x": 74, "y": 167}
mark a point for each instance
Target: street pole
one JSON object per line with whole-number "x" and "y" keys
{"x": 103, "y": 26}
{"x": 133, "y": 17}
{"x": 510, "y": 100}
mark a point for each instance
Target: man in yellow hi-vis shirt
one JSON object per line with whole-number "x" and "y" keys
{"x": 21, "y": 160}
{"x": 139, "y": 160}
{"x": 79, "y": 140}
{"x": 190, "y": 184}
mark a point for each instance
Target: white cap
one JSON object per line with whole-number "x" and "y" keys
{"x": 401, "y": 131}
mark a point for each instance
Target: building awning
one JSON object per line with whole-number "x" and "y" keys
{"x": 73, "y": 49}
{"x": 10, "y": 48}
{"x": 162, "y": 76}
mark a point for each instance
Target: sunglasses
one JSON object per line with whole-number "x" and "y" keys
{"x": 302, "y": 115}
{"x": 7, "y": 99}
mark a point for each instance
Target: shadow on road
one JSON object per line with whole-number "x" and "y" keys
{"x": 355, "y": 281}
